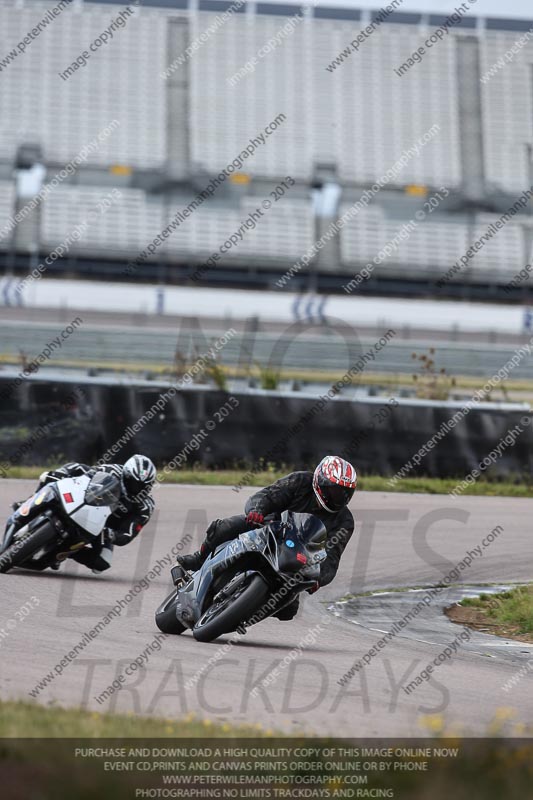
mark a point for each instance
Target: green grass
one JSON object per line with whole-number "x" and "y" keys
{"x": 368, "y": 483}
{"x": 514, "y": 607}
{"x": 52, "y": 768}
{"x": 48, "y": 761}
{"x": 376, "y": 483}
{"x": 22, "y": 720}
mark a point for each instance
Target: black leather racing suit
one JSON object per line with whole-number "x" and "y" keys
{"x": 294, "y": 492}
{"x": 123, "y": 526}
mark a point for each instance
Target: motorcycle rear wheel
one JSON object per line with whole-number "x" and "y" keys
{"x": 165, "y": 616}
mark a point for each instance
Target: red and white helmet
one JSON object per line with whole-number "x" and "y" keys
{"x": 334, "y": 482}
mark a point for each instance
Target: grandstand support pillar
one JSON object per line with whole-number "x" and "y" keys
{"x": 527, "y": 224}
{"x": 328, "y": 258}
{"x": 529, "y": 160}
{"x": 527, "y": 240}
{"x": 178, "y": 144}
{"x": 12, "y": 247}
{"x": 26, "y": 235}
{"x": 326, "y": 204}
{"x": 470, "y": 113}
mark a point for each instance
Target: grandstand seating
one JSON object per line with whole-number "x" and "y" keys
{"x": 507, "y": 110}
{"x": 283, "y": 233}
{"x": 121, "y": 81}
{"x": 282, "y": 236}
{"x": 360, "y": 117}
{"x": 7, "y": 199}
{"x": 432, "y": 247}
{"x": 135, "y": 219}
{"x": 126, "y": 226}
{"x": 356, "y": 121}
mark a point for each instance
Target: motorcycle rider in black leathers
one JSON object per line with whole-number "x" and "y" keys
{"x": 137, "y": 477}
{"x": 325, "y": 493}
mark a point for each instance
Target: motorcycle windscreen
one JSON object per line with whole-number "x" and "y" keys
{"x": 311, "y": 531}
{"x": 103, "y": 490}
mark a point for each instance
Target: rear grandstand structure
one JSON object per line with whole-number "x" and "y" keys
{"x": 164, "y": 79}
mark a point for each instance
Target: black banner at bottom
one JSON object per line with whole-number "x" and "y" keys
{"x": 295, "y": 769}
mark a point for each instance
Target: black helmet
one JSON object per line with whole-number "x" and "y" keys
{"x": 138, "y": 475}
{"x": 334, "y": 482}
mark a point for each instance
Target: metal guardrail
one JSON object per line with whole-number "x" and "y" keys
{"x": 327, "y": 353}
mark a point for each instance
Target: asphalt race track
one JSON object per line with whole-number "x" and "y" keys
{"x": 400, "y": 541}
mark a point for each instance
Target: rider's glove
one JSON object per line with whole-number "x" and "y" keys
{"x": 314, "y": 588}
{"x": 42, "y": 479}
{"x": 255, "y": 518}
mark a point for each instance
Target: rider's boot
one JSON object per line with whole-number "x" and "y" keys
{"x": 218, "y": 532}
{"x": 194, "y": 561}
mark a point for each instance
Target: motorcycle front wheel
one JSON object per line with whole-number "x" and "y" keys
{"x": 225, "y": 615}
{"x": 28, "y": 544}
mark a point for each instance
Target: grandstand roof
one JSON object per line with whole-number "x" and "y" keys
{"x": 337, "y": 12}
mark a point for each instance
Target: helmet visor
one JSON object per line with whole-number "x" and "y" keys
{"x": 336, "y": 497}
{"x": 135, "y": 486}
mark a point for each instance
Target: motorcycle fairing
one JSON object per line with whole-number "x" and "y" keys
{"x": 259, "y": 550}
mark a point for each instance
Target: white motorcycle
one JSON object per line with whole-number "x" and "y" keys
{"x": 58, "y": 520}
